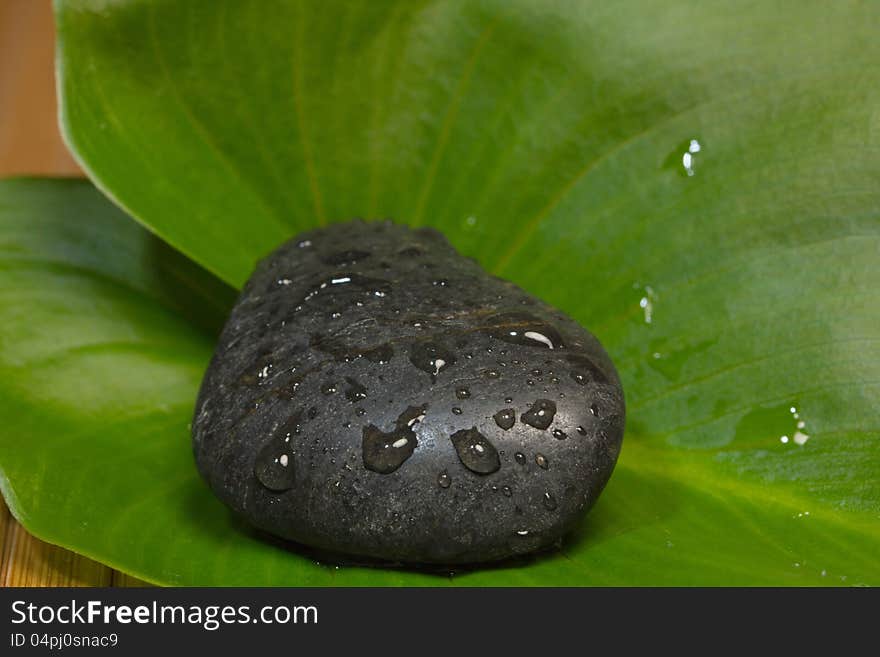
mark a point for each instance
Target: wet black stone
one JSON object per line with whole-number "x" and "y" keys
{"x": 331, "y": 360}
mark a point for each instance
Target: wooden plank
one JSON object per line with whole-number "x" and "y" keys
{"x": 30, "y": 144}
{"x": 28, "y": 561}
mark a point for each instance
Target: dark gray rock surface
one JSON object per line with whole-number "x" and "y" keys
{"x": 376, "y": 394}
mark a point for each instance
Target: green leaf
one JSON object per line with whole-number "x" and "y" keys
{"x": 546, "y": 139}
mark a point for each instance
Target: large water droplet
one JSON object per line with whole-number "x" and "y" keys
{"x": 505, "y": 418}
{"x": 274, "y": 466}
{"x": 540, "y": 415}
{"x": 523, "y": 329}
{"x": 431, "y": 357}
{"x": 475, "y": 451}
{"x": 384, "y": 452}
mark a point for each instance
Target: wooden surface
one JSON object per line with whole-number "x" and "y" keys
{"x": 31, "y": 145}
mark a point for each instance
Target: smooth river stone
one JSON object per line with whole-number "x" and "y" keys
{"x": 376, "y": 394}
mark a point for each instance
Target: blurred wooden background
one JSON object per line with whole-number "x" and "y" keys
{"x": 30, "y": 144}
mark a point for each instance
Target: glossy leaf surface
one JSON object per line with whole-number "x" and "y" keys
{"x": 549, "y": 140}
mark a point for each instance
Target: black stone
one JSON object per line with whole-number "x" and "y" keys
{"x": 363, "y": 399}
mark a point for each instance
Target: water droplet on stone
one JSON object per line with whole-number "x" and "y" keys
{"x": 540, "y": 415}
{"x": 355, "y": 391}
{"x": 462, "y": 393}
{"x": 585, "y": 371}
{"x": 520, "y": 458}
{"x": 522, "y": 532}
{"x": 523, "y": 329}
{"x": 476, "y": 453}
{"x": 274, "y": 466}
{"x": 456, "y": 410}
{"x": 345, "y": 258}
{"x": 549, "y": 501}
{"x": 506, "y": 491}
{"x": 348, "y": 283}
{"x": 542, "y": 461}
{"x": 360, "y": 412}
{"x": 491, "y": 374}
{"x": 431, "y": 357}
{"x": 582, "y": 431}
{"x": 594, "y": 410}
{"x": 381, "y": 354}
{"x": 328, "y": 388}
{"x": 559, "y": 434}
{"x": 505, "y": 418}
{"x": 411, "y": 252}
{"x": 444, "y": 480}
{"x": 384, "y": 452}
